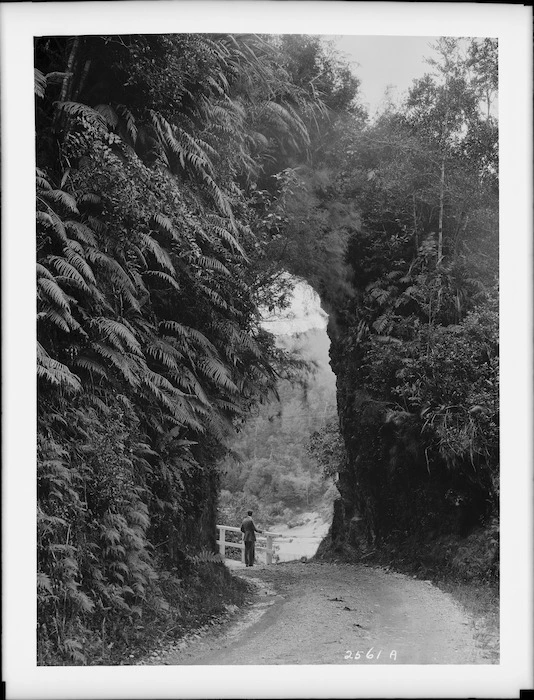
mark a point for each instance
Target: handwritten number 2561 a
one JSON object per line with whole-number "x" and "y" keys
{"x": 370, "y": 655}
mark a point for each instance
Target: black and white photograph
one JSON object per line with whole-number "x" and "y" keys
{"x": 280, "y": 330}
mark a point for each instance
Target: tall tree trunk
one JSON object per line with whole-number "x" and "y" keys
{"x": 440, "y": 224}
{"x": 83, "y": 78}
{"x": 415, "y": 232}
{"x": 67, "y": 80}
{"x": 442, "y": 184}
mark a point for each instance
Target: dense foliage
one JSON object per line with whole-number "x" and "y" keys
{"x": 156, "y": 158}
{"x": 415, "y": 336}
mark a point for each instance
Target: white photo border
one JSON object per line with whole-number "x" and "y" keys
{"x": 20, "y": 22}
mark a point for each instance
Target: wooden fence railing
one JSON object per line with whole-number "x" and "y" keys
{"x": 267, "y": 537}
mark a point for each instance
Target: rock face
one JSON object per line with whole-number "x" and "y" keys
{"x": 393, "y": 499}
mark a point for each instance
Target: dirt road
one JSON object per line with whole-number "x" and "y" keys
{"x": 325, "y": 613}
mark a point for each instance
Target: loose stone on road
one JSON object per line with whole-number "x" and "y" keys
{"x": 327, "y": 613}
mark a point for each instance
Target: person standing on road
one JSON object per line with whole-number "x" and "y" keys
{"x": 249, "y": 531}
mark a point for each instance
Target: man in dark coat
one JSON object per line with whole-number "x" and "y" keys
{"x": 249, "y": 531}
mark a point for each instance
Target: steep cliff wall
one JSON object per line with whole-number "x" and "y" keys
{"x": 398, "y": 497}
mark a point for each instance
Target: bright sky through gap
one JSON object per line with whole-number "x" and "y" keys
{"x": 382, "y": 61}
{"x": 303, "y": 313}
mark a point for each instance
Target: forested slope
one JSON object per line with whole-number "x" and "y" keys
{"x": 415, "y": 338}
{"x": 160, "y": 182}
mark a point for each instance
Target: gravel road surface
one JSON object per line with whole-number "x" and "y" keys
{"x": 327, "y": 613}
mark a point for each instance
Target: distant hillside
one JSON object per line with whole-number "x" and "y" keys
{"x": 271, "y": 469}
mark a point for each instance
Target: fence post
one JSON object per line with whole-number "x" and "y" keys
{"x": 269, "y": 551}
{"x": 222, "y": 539}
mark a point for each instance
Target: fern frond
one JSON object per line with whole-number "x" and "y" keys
{"x": 215, "y": 297}
{"x": 109, "y": 115}
{"x": 42, "y": 271}
{"x": 139, "y": 517}
{"x": 77, "y": 110}
{"x": 66, "y": 270}
{"x": 52, "y": 222}
{"x": 55, "y": 373}
{"x": 90, "y": 198}
{"x": 284, "y": 119}
{"x": 163, "y": 276}
{"x": 117, "y": 333}
{"x": 81, "y": 232}
{"x": 130, "y": 300}
{"x": 91, "y": 366}
{"x": 129, "y": 119}
{"x": 218, "y": 373}
{"x": 53, "y": 293}
{"x": 232, "y": 407}
{"x": 159, "y": 253}
{"x": 75, "y": 247}
{"x": 43, "y": 582}
{"x": 239, "y": 339}
{"x": 165, "y": 394}
{"x": 117, "y": 272}
{"x": 56, "y": 77}
{"x": 192, "y": 334}
{"x": 118, "y": 360}
{"x": 56, "y": 318}
{"x": 39, "y": 83}
{"x": 226, "y": 236}
{"x": 96, "y": 225}
{"x": 75, "y": 259}
{"x": 186, "y": 380}
{"x": 42, "y": 183}
{"x": 221, "y": 200}
{"x": 213, "y": 264}
{"x": 61, "y": 197}
{"x": 206, "y": 557}
{"x": 164, "y": 353}
{"x": 194, "y": 152}
{"x": 164, "y": 224}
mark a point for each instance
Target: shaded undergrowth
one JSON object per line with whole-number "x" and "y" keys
{"x": 184, "y": 600}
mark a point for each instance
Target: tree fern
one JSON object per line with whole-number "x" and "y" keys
{"x": 67, "y": 271}
{"x": 165, "y": 354}
{"x": 56, "y": 373}
{"x": 159, "y": 274}
{"x": 206, "y": 557}
{"x": 92, "y": 366}
{"x": 118, "y": 361}
{"x": 51, "y": 222}
{"x": 164, "y": 224}
{"x": 78, "y": 110}
{"x": 117, "y": 333}
{"x": 50, "y": 290}
{"x": 161, "y": 255}
{"x": 61, "y": 197}
{"x": 147, "y": 296}
{"x": 75, "y": 259}
{"x": 109, "y": 115}
{"x": 81, "y": 232}
{"x": 129, "y": 122}
{"x": 112, "y": 267}
{"x": 212, "y": 264}
{"x": 217, "y": 372}
{"x": 39, "y": 83}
